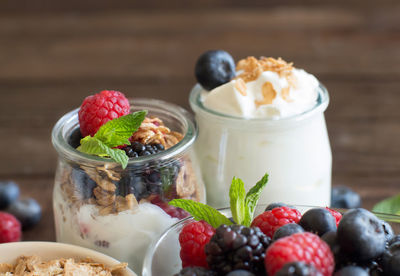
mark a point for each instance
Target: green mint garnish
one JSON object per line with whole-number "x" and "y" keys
{"x": 200, "y": 211}
{"x": 242, "y": 205}
{"x": 237, "y": 195}
{"x": 390, "y": 205}
{"x": 112, "y": 134}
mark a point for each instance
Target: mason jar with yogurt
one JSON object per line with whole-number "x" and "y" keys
{"x": 268, "y": 118}
{"x": 120, "y": 212}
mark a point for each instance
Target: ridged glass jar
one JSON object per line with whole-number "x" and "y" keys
{"x": 119, "y": 212}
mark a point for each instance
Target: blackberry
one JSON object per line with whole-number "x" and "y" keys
{"x": 298, "y": 269}
{"x": 318, "y": 221}
{"x": 237, "y": 247}
{"x": 195, "y": 271}
{"x": 351, "y": 271}
{"x": 344, "y": 197}
{"x": 287, "y": 230}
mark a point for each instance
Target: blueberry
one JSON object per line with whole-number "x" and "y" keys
{"x": 138, "y": 147}
{"x": 144, "y": 153}
{"x": 9, "y": 193}
{"x": 159, "y": 146}
{"x": 351, "y": 271}
{"x": 330, "y": 239}
{"x": 287, "y": 230}
{"x": 214, "y": 68}
{"x": 388, "y": 230}
{"x": 394, "y": 239}
{"x": 391, "y": 262}
{"x": 240, "y": 272}
{"x": 84, "y": 185}
{"x": 298, "y": 269}
{"x": 276, "y": 205}
{"x": 360, "y": 235}
{"x": 27, "y": 211}
{"x": 344, "y": 197}
{"x": 318, "y": 221}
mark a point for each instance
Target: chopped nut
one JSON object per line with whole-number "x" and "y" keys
{"x": 268, "y": 93}
{"x": 103, "y": 197}
{"x": 240, "y": 85}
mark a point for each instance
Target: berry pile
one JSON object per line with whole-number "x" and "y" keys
{"x": 17, "y": 214}
{"x": 321, "y": 242}
{"x": 137, "y": 149}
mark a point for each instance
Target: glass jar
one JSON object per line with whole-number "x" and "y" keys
{"x": 294, "y": 151}
{"x": 120, "y": 212}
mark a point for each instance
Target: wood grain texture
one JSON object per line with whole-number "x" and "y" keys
{"x": 53, "y": 54}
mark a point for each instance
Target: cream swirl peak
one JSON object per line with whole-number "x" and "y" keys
{"x": 264, "y": 88}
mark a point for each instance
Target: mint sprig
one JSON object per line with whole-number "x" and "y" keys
{"x": 390, "y": 205}
{"x": 112, "y": 134}
{"x": 242, "y": 205}
{"x": 200, "y": 211}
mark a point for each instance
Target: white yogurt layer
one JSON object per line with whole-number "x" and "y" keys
{"x": 270, "y": 95}
{"x": 124, "y": 236}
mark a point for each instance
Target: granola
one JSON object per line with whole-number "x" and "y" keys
{"x": 34, "y": 265}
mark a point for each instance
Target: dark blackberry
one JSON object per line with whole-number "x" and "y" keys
{"x": 287, "y": 230}
{"x": 344, "y": 197}
{"x": 361, "y": 235}
{"x": 237, "y": 247}
{"x": 298, "y": 269}
{"x": 195, "y": 271}
{"x": 318, "y": 221}
{"x": 352, "y": 271}
{"x": 84, "y": 185}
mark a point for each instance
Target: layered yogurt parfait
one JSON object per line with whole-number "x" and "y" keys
{"x": 120, "y": 163}
{"x": 261, "y": 115}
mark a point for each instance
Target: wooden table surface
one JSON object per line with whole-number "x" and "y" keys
{"x": 54, "y": 54}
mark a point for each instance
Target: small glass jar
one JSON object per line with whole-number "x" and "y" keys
{"x": 294, "y": 151}
{"x": 119, "y": 212}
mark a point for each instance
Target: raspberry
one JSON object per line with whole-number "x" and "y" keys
{"x": 193, "y": 237}
{"x": 335, "y": 214}
{"x": 271, "y": 220}
{"x": 98, "y": 109}
{"x": 237, "y": 247}
{"x": 301, "y": 247}
{"x": 10, "y": 228}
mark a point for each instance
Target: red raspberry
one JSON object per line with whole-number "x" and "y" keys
{"x": 193, "y": 238}
{"x": 271, "y": 220}
{"x": 302, "y": 247}
{"x": 98, "y": 109}
{"x": 335, "y": 214}
{"x": 10, "y": 228}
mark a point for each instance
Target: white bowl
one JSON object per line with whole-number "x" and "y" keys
{"x": 52, "y": 250}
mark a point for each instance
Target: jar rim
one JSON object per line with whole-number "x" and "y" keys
{"x": 69, "y": 121}
{"x": 198, "y": 106}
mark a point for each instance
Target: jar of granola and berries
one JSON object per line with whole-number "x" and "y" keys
{"x": 119, "y": 211}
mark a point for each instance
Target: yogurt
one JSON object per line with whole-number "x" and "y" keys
{"x": 268, "y": 119}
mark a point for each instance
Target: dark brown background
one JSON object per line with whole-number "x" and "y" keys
{"x": 54, "y": 53}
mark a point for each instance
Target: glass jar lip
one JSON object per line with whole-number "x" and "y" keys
{"x": 69, "y": 121}
{"x": 151, "y": 250}
{"x": 198, "y": 106}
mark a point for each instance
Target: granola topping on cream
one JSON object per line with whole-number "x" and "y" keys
{"x": 264, "y": 88}
{"x": 34, "y": 265}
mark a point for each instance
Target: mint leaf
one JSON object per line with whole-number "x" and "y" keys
{"x": 94, "y": 146}
{"x": 117, "y": 132}
{"x": 252, "y": 197}
{"x": 200, "y": 211}
{"x": 390, "y": 205}
{"x": 237, "y": 195}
